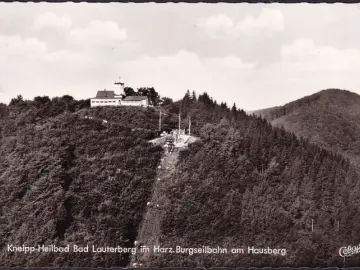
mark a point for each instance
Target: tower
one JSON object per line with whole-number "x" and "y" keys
{"x": 120, "y": 84}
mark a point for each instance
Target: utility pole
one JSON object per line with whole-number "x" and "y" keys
{"x": 180, "y": 118}
{"x": 189, "y": 125}
{"x": 160, "y": 113}
{"x": 312, "y": 225}
{"x": 159, "y": 120}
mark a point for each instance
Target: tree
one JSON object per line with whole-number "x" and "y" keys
{"x": 187, "y": 96}
{"x": 185, "y": 103}
{"x": 234, "y": 112}
{"x": 153, "y": 96}
{"x": 42, "y": 100}
{"x": 83, "y": 103}
{"x": 193, "y": 97}
{"x": 143, "y": 91}
{"x": 206, "y": 100}
{"x": 223, "y": 105}
{"x": 166, "y": 101}
{"x": 4, "y": 111}
{"x": 128, "y": 91}
{"x": 67, "y": 98}
{"x": 18, "y": 100}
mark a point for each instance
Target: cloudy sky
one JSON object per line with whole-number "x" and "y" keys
{"x": 255, "y": 55}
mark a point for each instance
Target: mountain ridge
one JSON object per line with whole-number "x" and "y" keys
{"x": 334, "y": 97}
{"x": 329, "y": 118}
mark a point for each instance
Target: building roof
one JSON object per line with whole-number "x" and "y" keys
{"x": 135, "y": 98}
{"x": 105, "y": 94}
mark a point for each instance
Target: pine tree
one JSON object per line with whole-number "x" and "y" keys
{"x": 234, "y": 112}
{"x": 193, "y": 97}
{"x": 185, "y": 103}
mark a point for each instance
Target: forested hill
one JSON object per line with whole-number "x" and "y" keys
{"x": 330, "y": 118}
{"x": 68, "y": 179}
{"x": 65, "y": 180}
{"x": 247, "y": 183}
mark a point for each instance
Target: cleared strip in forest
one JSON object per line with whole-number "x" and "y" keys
{"x": 149, "y": 231}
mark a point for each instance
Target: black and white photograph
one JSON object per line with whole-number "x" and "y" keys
{"x": 149, "y": 135}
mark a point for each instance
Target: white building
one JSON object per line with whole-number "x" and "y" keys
{"x": 106, "y": 98}
{"x": 135, "y": 101}
{"x": 109, "y": 98}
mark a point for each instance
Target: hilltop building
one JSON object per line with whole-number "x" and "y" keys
{"x": 106, "y": 98}
{"x": 135, "y": 101}
{"x": 109, "y": 98}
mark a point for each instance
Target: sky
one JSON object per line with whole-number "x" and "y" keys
{"x": 254, "y": 55}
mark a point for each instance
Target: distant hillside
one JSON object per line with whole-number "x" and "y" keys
{"x": 330, "y": 118}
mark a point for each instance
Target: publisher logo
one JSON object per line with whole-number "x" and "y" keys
{"x": 349, "y": 251}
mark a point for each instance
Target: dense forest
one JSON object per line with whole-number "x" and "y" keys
{"x": 329, "y": 118}
{"x": 70, "y": 180}
{"x": 247, "y": 183}
{"x": 67, "y": 178}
